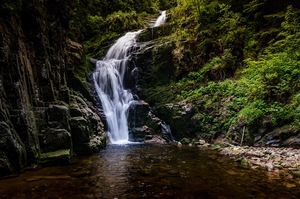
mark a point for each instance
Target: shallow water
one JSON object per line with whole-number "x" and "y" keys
{"x": 148, "y": 171}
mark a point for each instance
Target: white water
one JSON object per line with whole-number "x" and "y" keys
{"x": 109, "y": 84}
{"x": 161, "y": 19}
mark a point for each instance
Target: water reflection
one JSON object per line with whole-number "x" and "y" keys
{"x": 148, "y": 171}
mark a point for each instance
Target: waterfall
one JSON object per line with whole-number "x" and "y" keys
{"x": 161, "y": 19}
{"x": 109, "y": 83}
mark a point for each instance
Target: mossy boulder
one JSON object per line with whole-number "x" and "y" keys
{"x": 80, "y": 130}
{"x": 56, "y": 139}
{"x": 153, "y": 33}
{"x": 143, "y": 124}
{"x": 56, "y": 158}
{"x": 185, "y": 141}
{"x": 179, "y": 117}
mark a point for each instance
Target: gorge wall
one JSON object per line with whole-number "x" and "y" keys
{"x": 43, "y": 113}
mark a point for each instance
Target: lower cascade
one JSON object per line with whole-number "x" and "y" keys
{"x": 109, "y": 83}
{"x": 161, "y": 19}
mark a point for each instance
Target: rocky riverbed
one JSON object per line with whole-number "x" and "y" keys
{"x": 279, "y": 162}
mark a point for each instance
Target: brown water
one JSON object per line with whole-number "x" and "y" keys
{"x": 148, "y": 171}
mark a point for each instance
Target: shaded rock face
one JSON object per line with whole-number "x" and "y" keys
{"x": 154, "y": 60}
{"x": 34, "y": 91}
{"x": 281, "y": 137}
{"x": 145, "y": 126}
{"x": 180, "y": 118}
{"x": 87, "y": 129}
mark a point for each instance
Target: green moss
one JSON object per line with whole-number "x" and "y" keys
{"x": 55, "y": 154}
{"x": 10, "y": 7}
{"x": 296, "y": 174}
{"x": 61, "y": 157}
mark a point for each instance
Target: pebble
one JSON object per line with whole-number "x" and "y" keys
{"x": 272, "y": 159}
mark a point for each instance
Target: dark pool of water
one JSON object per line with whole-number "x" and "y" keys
{"x": 148, "y": 171}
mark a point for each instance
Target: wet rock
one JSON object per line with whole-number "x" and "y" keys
{"x": 185, "y": 141}
{"x": 150, "y": 34}
{"x": 143, "y": 123}
{"x": 87, "y": 129}
{"x": 197, "y": 144}
{"x": 155, "y": 139}
{"x": 281, "y": 137}
{"x": 56, "y": 139}
{"x": 178, "y": 116}
{"x": 202, "y": 142}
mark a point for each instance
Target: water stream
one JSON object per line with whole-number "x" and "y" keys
{"x": 109, "y": 80}
{"x": 109, "y": 83}
{"x": 161, "y": 19}
{"x": 150, "y": 171}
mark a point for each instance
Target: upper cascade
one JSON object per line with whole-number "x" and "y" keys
{"x": 161, "y": 19}
{"x": 109, "y": 83}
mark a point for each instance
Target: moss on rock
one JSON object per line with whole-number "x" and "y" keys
{"x": 55, "y": 158}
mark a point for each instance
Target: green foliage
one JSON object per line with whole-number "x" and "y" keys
{"x": 252, "y": 112}
{"x": 288, "y": 40}
{"x": 121, "y": 22}
{"x": 10, "y": 6}
{"x": 237, "y": 63}
{"x": 96, "y": 21}
{"x": 273, "y": 78}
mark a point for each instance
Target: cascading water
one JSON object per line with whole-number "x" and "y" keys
{"x": 161, "y": 19}
{"x": 109, "y": 84}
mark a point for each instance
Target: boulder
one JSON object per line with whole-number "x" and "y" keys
{"x": 58, "y": 116}
{"x": 80, "y": 130}
{"x": 56, "y": 139}
{"x": 56, "y": 158}
{"x": 180, "y": 118}
{"x": 287, "y": 136}
{"x": 143, "y": 124}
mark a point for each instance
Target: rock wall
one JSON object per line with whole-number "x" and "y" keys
{"x": 39, "y": 111}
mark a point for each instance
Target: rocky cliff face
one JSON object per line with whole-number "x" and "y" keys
{"x": 41, "y": 110}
